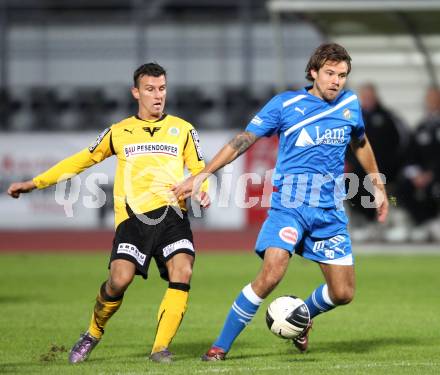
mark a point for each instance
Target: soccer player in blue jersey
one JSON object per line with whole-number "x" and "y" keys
{"x": 314, "y": 126}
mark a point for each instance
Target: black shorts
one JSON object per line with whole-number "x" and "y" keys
{"x": 138, "y": 242}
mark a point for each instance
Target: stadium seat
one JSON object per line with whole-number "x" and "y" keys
{"x": 240, "y": 104}
{"x": 45, "y": 107}
{"x": 190, "y": 102}
{"x": 92, "y": 107}
{"x": 8, "y": 107}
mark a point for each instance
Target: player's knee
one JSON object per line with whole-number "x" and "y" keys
{"x": 181, "y": 274}
{"x": 119, "y": 281}
{"x": 121, "y": 275}
{"x": 342, "y": 296}
{"x": 180, "y": 268}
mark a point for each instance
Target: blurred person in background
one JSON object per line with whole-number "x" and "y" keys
{"x": 420, "y": 190}
{"x": 386, "y": 132}
{"x": 152, "y": 148}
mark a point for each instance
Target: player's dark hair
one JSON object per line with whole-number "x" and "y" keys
{"x": 327, "y": 52}
{"x": 151, "y": 69}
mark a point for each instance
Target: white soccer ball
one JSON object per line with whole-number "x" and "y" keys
{"x": 287, "y": 317}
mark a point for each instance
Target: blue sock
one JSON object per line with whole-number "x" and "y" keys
{"x": 242, "y": 311}
{"x": 319, "y": 301}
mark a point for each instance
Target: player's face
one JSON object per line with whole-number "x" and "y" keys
{"x": 330, "y": 79}
{"x": 150, "y": 94}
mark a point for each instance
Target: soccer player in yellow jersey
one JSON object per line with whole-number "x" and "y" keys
{"x": 152, "y": 149}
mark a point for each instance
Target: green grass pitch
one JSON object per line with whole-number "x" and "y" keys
{"x": 392, "y": 327}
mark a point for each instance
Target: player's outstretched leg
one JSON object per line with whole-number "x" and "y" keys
{"x": 241, "y": 313}
{"x": 338, "y": 290}
{"x": 318, "y": 302}
{"x": 82, "y": 348}
{"x": 105, "y": 307}
{"x": 170, "y": 315}
{"x": 247, "y": 303}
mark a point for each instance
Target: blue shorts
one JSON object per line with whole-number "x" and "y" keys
{"x": 318, "y": 234}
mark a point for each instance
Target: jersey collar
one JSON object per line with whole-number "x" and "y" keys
{"x": 151, "y": 121}
{"x": 306, "y": 89}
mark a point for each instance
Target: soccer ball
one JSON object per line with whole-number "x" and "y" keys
{"x": 287, "y": 317}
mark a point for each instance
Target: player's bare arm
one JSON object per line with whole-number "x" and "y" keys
{"x": 17, "y": 188}
{"x": 242, "y": 142}
{"x": 231, "y": 151}
{"x": 364, "y": 154}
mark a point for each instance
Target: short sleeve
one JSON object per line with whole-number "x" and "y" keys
{"x": 102, "y": 147}
{"x": 267, "y": 121}
{"x": 193, "y": 156}
{"x": 359, "y": 127}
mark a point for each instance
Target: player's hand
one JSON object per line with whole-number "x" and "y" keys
{"x": 184, "y": 189}
{"x": 16, "y": 188}
{"x": 382, "y": 205}
{"x": 189, "y": 187}
{"x": 204, "y": 199}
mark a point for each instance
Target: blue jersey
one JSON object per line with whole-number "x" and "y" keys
{"x": 313, "y": 137}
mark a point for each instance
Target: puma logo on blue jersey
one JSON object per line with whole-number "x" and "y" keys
{"x": 302, "y": 111}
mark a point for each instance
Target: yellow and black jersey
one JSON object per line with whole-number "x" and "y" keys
{"x": 151, "y": 159}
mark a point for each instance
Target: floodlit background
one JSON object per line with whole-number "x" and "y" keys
{"x": 65, "y": 72}
{"x": 66, "y": 68}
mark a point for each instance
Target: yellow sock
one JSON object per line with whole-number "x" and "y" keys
{"x": 170, "y": 315}
{"x": 105, "y": 307}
